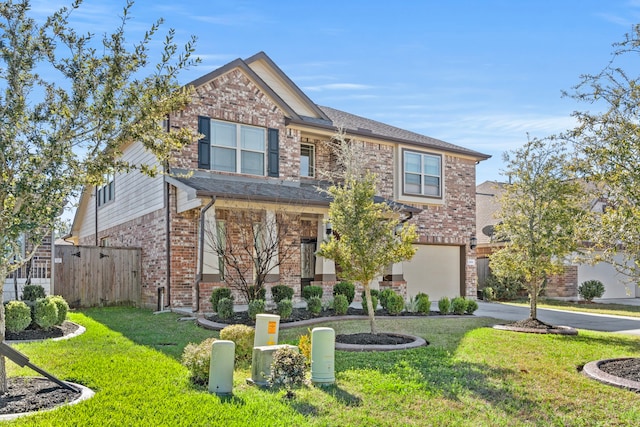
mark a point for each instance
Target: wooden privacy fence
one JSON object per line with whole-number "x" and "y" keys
{"x": 89, "y": 276}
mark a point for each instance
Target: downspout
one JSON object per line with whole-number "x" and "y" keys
{"x": 96, "y": 215}
{"x": 167, "y": 222}
{"x": 203, "y": 212}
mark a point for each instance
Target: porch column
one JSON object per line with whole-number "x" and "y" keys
{"x": 325, "y": 268}
{"x": 211, "y": 263}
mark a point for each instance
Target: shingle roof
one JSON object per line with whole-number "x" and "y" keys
{"x": 363, "y": 126}
{"x": 265, "y": 190}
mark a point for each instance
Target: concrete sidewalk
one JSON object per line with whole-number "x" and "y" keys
{"x": 578, "y": 320}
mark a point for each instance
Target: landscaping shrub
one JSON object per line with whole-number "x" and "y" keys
{"x": 304, "y": 344}
{"x": 423, "y": 305}
{"x": 314, "y": 305}
{"x": 340, "y": 304}
{"x": 374, "y": 302}
{"x": 218, "y": 294}
{"x": 288, "y": 369}
{"x": 488, "y": 294}
{"x": 395, "y": 304}
{"x": 242, "y": 336}
{"x": 45, "y": 313}
{"x": 309, "y": 292}
{"x": 411, "y": 306}
{"x": 458, "y": 305}
{"x": 504, "y": 288}
{"x": 472, "y": 306}
{"x": 62, "y": 306}
{"x": 33, "y": 292}
{"x": 285, "y": 308}
{"x": 17, "y": 316}
{"x": 443, "y": 305}
{"x": 225, "y": 308}
{"x": 347, "y": 289}
{"x": 197, "y": 359}
{"x": 281, "y": 292}
{"x": 256, "y": 307}
{"x": 384, "y": 297}
{"x": 591, "y": 289}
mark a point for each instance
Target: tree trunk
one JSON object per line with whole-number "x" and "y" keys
{"x": 371, "y": 309}
{"x": 533, "y": 301}
{"x": 3, "y": 371}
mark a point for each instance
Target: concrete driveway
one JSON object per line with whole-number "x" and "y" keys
{"x": 594, "y": 322}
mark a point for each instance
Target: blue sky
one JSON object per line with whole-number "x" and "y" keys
{"x": 480, "y": 74}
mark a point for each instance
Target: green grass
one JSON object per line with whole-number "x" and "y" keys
{"x": 469, "y": 375}
{"x": 598, "y": 308}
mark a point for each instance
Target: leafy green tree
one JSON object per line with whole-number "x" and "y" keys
{"x": 68, "y": 103}
{"x": 364, "y": 240}
{"x": 540, "y": 210}
{"x": 607, "y": 139}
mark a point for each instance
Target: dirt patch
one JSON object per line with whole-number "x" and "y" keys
{"x": 628, "y": 369}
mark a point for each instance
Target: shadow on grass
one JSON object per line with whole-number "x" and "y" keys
{"x": 343, "y": 397}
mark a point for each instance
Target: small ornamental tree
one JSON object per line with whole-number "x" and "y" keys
{"x": 607, "y": 140}
{"x": 364, "y": 240}
{"x": 540, "y": 211}
{"x": 69, "y": 102}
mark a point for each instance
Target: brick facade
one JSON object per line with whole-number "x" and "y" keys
{"x": 235, "y": 97}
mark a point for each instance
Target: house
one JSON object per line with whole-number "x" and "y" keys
{"x": 264, "y": 150}
{"x": 37, "y": 271}
{"x": 575, "y": 272}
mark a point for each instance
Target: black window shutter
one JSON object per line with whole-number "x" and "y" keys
{"x": 204, "y": 145}
{"x": 274, "y": 153}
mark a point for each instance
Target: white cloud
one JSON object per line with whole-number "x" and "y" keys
{"x": 337, "y": 86}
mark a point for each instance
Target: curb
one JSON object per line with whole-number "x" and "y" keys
{"x": 557, "y": 330}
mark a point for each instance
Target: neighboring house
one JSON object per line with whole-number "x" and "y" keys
{"x": 264, "y": 150}
{"x": 37, "y": 271}
{"x": 561, "y": 287}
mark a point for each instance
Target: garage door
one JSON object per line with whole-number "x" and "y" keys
{"x": 434, "y": 270}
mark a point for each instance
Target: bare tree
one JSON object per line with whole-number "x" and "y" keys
{"x": 251, "y": 244}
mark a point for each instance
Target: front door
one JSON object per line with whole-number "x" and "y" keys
{"x": 307, "y": 261}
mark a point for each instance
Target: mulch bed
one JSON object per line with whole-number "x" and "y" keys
{"x": 628, "y": 369}
{"x": 40, "y": 334}
{"x": 373, "y": 339}
{"x": 33, "y": 394}
{"x": 28, "y": 394}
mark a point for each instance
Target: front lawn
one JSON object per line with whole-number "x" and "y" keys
{"x": 469, "y": 375}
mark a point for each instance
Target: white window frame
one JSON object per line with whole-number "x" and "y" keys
{"x": 422, "y": 174}
{"x": 107, "y": 193}
{"x": 311, "y": 170}
{"x": 238, "y": 148}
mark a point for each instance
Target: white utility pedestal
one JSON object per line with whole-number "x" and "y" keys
{"x": 221, "y": 368}
{"x": 261, "y": 362}
{"x": 323, "y": 349}
{"x": 267, "y": 326}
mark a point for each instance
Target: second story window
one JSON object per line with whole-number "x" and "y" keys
{"x": 237, "y": 148}
{"x": 422, "y": 174}
{"x": 307, "y": 160}
{"x": 107, "y": 192}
